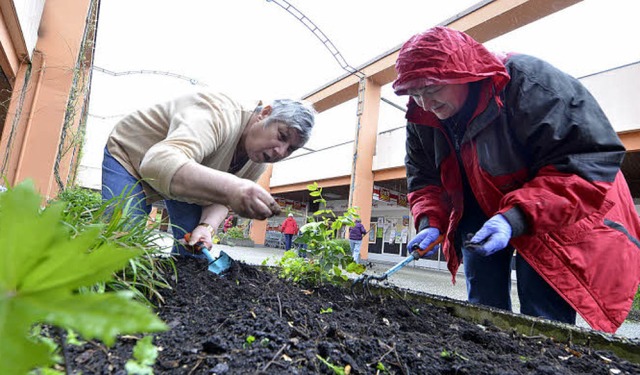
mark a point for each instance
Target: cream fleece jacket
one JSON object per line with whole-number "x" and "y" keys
{"x": 203, "y": 127}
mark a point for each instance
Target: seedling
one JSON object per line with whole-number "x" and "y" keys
{"x": 144, "y": 354}
{"x": 249, "y": 341}
{"x": 380, "y": 367}
{"x": 73, "y": 339}
{"x": 336, "y": 369}
{"x": 328, "y": 310}
{"x": 451, "y": 355}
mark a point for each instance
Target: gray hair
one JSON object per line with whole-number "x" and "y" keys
{"x": 296, "y": 114}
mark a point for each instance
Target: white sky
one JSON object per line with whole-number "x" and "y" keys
{"x": 254, "y": 49}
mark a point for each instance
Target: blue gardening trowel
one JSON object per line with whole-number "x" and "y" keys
{"x": 216, "y": 265}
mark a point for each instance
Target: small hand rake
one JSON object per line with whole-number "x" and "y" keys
{"x": 416, "y": 254}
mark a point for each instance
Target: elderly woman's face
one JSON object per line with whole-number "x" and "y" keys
{"x": 272, "y": 143}
{"x": 443, "y": 100}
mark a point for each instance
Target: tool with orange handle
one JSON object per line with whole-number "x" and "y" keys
{"x": 216, "y": 265}
{"x": 416, "y": 254}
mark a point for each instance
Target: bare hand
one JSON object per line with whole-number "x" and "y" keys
{"x": 201, "y": 234}
{"x": 250, "y": 200}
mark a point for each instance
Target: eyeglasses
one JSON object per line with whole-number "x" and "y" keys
{"x": 426, "y": 91}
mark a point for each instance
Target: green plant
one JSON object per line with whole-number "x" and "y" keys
{"x": 344, "y": 244}
{"x": 81, "y": 205}
{"x": 380, "y": 367}
{"x": 336, "y": 369}
{"x": 144, "y": 275}
{"x": 235, "y": 232}
{"x": 249, "y": 341}
{"x": 144, "y": 354}
{"x": 38, "y": 335}
{"x": 446, "y": 354}
{"x": 73, "y": 339}
{"x": 327, "y": 259}
{"x": 40, "y": 275}
{"x": 328, "y": 310}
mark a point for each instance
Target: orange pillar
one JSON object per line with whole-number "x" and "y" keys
{"x": 40, "y": 136}
{"x": 258, "y": 231}
{"x": 364, "y": 148}
{"x": 631, "y": 140}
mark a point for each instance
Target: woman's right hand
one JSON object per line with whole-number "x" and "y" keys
{"x": 251, "y": 201}
{"x": 199, "y": 235}
{"x": 424, "y": 239}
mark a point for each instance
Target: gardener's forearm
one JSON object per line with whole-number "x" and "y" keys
{"x": 214, "y": 214}
{"x": 201, "y": 183}
{"x": 245, "y": 197}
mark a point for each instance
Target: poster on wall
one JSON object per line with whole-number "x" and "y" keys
{"x": 385, "y": 195}
{"x": 391, "y": 230}
{"x": 392, "y": 236}
{"x": 404, "y": 235}
{"x": 373, "y": 231}
{"x": 402, "y": 200}
{"x": 398, "y": 237}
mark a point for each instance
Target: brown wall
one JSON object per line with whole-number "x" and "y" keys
{"x": 41, "y": 137}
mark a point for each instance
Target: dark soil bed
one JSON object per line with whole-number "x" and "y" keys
{"x": 212, "y": 317}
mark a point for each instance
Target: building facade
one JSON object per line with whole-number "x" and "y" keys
{"x": 46, "y": 60}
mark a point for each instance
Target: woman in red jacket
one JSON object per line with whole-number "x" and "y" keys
{"x": 289, "y": 228}
{"x": 518, "y": 154}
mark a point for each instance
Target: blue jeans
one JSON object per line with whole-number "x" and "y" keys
{"x": 355, "y": 249}
{"x": 287, "y": 241}
{"x": 489, "y": 282}
{"x": 116, "y": 180}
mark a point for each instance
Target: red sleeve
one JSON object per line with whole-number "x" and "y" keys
{"x": 430, "y": 202}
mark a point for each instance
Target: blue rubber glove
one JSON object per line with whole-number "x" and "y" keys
{"x": 493, "y": 236}
{"x": 423, "y": 239}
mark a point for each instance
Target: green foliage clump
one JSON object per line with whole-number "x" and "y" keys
{"x": 344, "y": 244}
{"x": 81, "y": 205}
{"x": 143, "y": 275}
{"x": 327, "y": 258}
{"x": 235, "y": 232}
{"x": 41, "y": 269}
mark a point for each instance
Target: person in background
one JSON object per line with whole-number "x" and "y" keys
{"x": 511, "y": 151}
{"x": 228, "y": 223}
{"x": 355, "y": 239}
{"x": 202, "y": 153}
{"x": 289, "y": 228}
